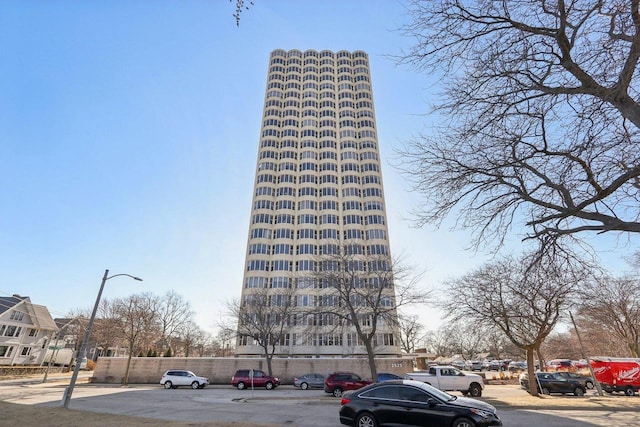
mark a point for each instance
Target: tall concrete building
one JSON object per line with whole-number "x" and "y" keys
{"x": 318, "y": 193}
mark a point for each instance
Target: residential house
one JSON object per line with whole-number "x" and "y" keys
{"x": 25, "y": 331}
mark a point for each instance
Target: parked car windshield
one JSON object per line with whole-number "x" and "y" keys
{"x": 434, "y": 391}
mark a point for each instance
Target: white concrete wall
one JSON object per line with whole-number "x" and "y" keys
{"x": 149, "y": 370}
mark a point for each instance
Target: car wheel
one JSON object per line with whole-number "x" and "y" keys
{"x": 578, "y": 391}
{"x": 304, "y": 386}
{"x": 366, "y": 419}
{"x": 475, "y": 390}
{"x": 195, "y": 385}
{"x": 241, "y": 386}
{"x": 337, "y": 392}
{"x": 589, "y": 385}
{"x": 545, "y": 390}
{"x": 629, "y": 391}
{"x": 167, "y": 385}
{"x": 463, "y": 422}
{"x": 268, "y": 385}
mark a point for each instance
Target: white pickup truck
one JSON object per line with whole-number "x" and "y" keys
{"x": 448, "y": 378}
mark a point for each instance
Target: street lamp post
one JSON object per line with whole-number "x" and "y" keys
{"x": 83, "y": 348}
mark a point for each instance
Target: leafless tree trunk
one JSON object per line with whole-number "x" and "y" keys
{"x": 139, "y": 321}
{"x": 264, "y": 318}
{"x": 541, "y": 116}
{"x": 410, "y": 332}
{"x": 523, "y": 300}
{"x": 365, "y": 291}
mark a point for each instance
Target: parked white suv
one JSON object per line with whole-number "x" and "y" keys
{"x": 174, "y": 378}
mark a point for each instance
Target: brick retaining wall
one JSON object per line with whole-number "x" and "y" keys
{"x": 149, "y": 370}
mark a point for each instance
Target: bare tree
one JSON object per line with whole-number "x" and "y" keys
{"x": 614, "y": 305}
{"x": 525, "y": 301}
{"x": 74, "y": 331}
{"x": 138, "y": 321}
{"x": 189, "y": 338}
{"x": 562, "y": 346}
{"x": 411, "y": 332}
{"x": 597, "y": 337}
{"x": 365, "y": 291}
{"x": 496, "y": 343}
{"x": 225, "y": 337}
{"x": 263, "y": 319}
{"x": 174, "y": 313}
{"x": 240, "y": 6}
{"x": 438, "y": 342}
{"x": 466, "y": 338}
{"x": 106, "y": 331}
{"x": 542, "y": 116}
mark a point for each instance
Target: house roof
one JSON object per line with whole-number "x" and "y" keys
{"x": 39, "y": 314}
{"x": 42, "y": 318}
{"x": 7, "y": 303}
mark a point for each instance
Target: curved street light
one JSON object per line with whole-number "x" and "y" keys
{"x": 69, "y": 390}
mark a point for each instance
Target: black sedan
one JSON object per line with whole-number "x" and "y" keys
{"x": 587, "y": 382}
{"x": 413, "y": 403}
{"x": 554, "y": 382}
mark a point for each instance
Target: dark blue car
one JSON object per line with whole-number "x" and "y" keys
{"x": 386, "y": 376}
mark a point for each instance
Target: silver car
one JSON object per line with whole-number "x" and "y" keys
{"x": 309, "y": 381}
{"x": 175, "y": 378}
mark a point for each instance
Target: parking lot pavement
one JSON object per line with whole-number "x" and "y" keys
{"x": 290, "y": 406}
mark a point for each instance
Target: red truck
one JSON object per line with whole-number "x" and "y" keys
{"x": 617, "y": 374}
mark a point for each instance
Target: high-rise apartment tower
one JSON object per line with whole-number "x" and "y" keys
{"x": 317, "y": 192}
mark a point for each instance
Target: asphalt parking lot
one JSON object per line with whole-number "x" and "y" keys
{"x": 289, "y": 406}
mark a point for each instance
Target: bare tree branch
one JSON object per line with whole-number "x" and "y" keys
{"x": 544, "y": 117}
{"x": 524, "y": 299}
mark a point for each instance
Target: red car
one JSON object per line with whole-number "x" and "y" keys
{"x": 339, "y": 382}
{"x": 557, "y": 365}
{"x": 244, "y": 378}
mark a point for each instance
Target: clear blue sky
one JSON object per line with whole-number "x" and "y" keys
{"x": 129, "y": 132}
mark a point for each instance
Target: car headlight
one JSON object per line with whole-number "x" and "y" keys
{"x": 483, "y": 414}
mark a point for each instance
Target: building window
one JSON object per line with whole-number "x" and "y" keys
{"x": 280, "y": 282}
{"x": 260, "y": 233}
{"x": 255, "y": 282}
{"x": 282, "y": 249}
{"x": 305, "y": 265}
{"x": 283, "y": 233}
{"x": 11, "y": 331}
{"x": 307, "y": 233}
{"x": 257, "y": 265}
{"x": 281, "y": 265}
{"x": 16, "y": 315}
{"x": 25, "y": 351}
{"x": 329, "y": 234}
{"x": 5, "y": 350}
{"x": 33, "y": 332}
{"x": 306, "y": 249}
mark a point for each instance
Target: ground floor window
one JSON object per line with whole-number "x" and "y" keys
{"x": 5, "y": 350}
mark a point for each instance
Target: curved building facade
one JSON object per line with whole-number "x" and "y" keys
{"x": 318, "y": 190}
